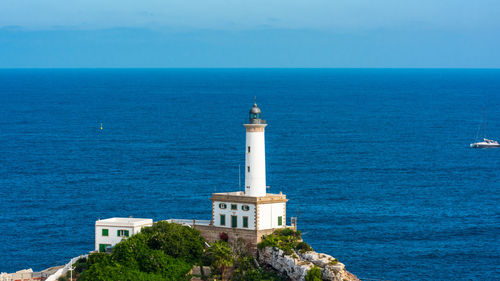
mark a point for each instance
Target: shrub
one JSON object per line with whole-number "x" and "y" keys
{"x": 260, "y": 274}
{"x": 285, "y": 239}
{"x": 285, "y": 232}
{"x": 314, "y": 274}
{"x": 106, "y": 273}
{"x": 164, "y": 251}
{"x": 127, "y": 251}
{"x": 222, "y": 256}
{"x": 223, "y": 236}
{"x": 303, "y": 247}
{"x": 245, "y": 266}
{"x": 270, "y": 240}
{"x": 287, "y": 249}
{"x": 81, "y": 265}
{"x": 176, "y": 240}
{"x": 101, "y": 258}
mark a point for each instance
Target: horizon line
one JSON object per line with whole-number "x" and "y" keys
{"x": 242, "y": 67}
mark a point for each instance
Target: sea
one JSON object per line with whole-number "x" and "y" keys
{"x": 376, "y": 163}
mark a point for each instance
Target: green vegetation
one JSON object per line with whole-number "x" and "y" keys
{"x": 258, "y": 274}
{"x": 303, "y": 247}
{"x": 165, "y": 251}
{"x": 168, "y": 251}
{"x": 80, "y": 266}
{"x": 221, "y": 257}
{"x": 246, "y": 268}
{"x": 287, "y": 240}
{"x": 314, "y": 274}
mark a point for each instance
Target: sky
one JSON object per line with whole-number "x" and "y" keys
{"x": 257, "y": 33}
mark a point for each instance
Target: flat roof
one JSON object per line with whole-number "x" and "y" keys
{"x": 242, "y": 193}
{"x": 240, "y": 197}
{"x": 124, "y": 222}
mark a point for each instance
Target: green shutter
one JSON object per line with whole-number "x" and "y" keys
{"x": 280, "y": 220}
{"x": 234, "y": 221}
{"x": 126, "y": 233}
{"x": 105, "y": 232}
{"x": 245, "y": 222}
{"x": 118, "y": 233}
{"x": 102, "y": 248}
{"x": 222, "y": 219}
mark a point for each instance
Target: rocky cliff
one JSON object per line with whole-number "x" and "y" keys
{"x": 296, "y": 265}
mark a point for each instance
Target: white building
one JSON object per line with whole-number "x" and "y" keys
{"x": 110, "y": 232}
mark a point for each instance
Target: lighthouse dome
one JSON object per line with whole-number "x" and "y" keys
{"x": 255, "y": 109}
{"x": 255, "y": 115}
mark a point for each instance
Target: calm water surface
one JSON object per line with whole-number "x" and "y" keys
{"x": 375, "y": 163}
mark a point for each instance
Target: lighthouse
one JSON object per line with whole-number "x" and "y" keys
{"x": 255, "y": 154}
{"x": 251, "y": 213}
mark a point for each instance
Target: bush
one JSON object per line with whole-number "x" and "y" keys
{"x": 221, "y": 256}
{"x": 314, "y": 274}
{"x": 285, "y": 239}
{"x": 270, "y": 240}
{"x": 106, "y": 273}
{"x": 303, "y": 247}
{"x": 176, "y": 240}
{"x": 165, "y": 251}
{"x": 333, "y": 261}
{"x": 81, "y": 265}
{"x": 98, "y": 258}
{"x": 287, "y": 232}
{"x": 259, "y": 274}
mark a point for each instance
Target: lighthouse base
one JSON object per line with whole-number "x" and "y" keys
{"x": 250, "y": 237}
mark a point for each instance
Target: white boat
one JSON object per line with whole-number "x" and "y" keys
{"x": 486, "y": 143}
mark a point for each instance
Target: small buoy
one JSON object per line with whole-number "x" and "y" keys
{"x": 101, "y": 126}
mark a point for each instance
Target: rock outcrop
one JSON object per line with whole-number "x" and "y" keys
{"x": 296, "y": 265}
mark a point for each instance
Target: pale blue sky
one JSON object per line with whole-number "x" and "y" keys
{"x": 257, "y": 33}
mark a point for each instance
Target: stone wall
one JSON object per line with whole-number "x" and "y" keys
{"x": 251, "y": 237}
{"x": 296, "y": 265}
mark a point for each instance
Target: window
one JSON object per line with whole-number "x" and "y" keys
{"x": 248, "y": 169}
{"x": 105, "y": 232}
{"x": 280, "y": 220}
{"x": 248, "y": 186}
{"x": 234, "y": 207}
{"x": 255, "y": 115}
{"x": 234, "y": 221}
{"x": 122, "y": 233}
{"x": 102, "y": 247}
{"x": 222, "y": 205}
{"x": 222, "y": 219}
{"x": 249, "y": 149}
{"x": 245, "y": 222}
{"x": 245, "y": 207}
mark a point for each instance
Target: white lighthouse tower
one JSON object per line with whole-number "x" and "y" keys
{"x": 255, "y": 156}
{"x": 252, "y": 213}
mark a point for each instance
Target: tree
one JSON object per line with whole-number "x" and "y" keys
{"x": 222, "y": 256}
{"x": 176, "y": 240}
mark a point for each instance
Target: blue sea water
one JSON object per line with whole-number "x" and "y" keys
{"x": 376, "y": 163}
